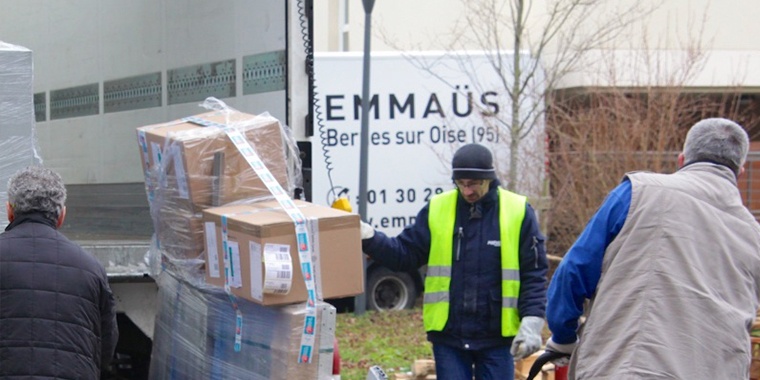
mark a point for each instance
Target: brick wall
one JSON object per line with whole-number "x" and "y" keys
{"x": 749, "y": 183}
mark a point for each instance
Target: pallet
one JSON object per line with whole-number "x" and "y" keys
{"x": 424, "y": 369}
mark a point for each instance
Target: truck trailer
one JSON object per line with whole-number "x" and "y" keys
{"x": 104, "y": 68}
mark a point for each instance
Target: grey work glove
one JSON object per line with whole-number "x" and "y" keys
{"x": 563, "y": 349}
{"x": 528, "y": 338}
{"x": 367, "y": 231}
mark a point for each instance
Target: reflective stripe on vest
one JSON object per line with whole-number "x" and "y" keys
{"x": 441, "y": 219}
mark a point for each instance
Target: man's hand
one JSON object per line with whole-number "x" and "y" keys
{"x": 563, "y": 349}
{"x": 528, "y": 339}
{"x": 367, "y": 231}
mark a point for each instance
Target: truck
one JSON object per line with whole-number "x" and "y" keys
{"x": 423, "y": 105}
{"x": 103, "y": 68}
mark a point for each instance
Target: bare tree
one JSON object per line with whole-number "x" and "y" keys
{"x": 634, "y": 122}
{"x": 530, "y": 51}
{"x": 631, "y": 115}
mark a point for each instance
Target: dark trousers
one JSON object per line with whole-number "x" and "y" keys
{"x": 452, "y": 363}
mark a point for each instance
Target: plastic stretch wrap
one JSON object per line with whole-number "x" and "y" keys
{"x": 191, "y": 164}
{"x": 16, "y": 116}
{"x": 194, "y": 337}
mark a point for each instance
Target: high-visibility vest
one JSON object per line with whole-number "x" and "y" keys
{"x": 441, "y": 219}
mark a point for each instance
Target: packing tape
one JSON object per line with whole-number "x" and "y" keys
{"x": 303, "y": 242}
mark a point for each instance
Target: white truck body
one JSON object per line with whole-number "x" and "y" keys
{"x": 104, "y": 68}
{"x": 419, "y": 116}
{"x": 423, "y": 106}
{"x": 107, "y": 67}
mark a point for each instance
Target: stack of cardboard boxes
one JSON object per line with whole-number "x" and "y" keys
{"x": 208, "y": 191}
{"x": 195, "y": 335}
{"x": 190, "y": 167}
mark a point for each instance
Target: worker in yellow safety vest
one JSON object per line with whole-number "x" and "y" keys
{"x": 485, "y": 294}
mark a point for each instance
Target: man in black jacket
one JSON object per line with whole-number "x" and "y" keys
{"x": 485, "y": 288}
{"x": 57, "y": 318}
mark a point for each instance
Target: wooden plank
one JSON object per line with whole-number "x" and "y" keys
{"x": 422, "y": 368}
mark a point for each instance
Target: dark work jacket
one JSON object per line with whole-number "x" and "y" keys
{"x": 57, "y": 318}
{"x": 474, "y": 320}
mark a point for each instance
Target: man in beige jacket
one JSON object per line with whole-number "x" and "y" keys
{"x": 671, "y": 264}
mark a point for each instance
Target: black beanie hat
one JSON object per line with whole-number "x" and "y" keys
{"x": 472, "y": 161}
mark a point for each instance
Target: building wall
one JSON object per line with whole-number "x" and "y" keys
{"x": 749, "y": 182}
{"x": 428, "y": 23}
{"x": 706, "y": 46}
{"x": 717, "y": 42}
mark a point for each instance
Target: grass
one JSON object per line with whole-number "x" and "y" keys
{"x": 392, "y": 340}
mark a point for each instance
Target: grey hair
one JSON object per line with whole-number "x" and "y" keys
{"x": 37, "y": 189}
{"x": 717, "y": 140}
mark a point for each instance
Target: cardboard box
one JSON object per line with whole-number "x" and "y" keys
{"x": 195, "y": 331}
{"x": 187, "y": 151}
{"x": 272, "y": 342}
{"x": 180, "y": 233}
{"x": 522, "y": 368}
{"x": 261, "y": 227}
{"x": 178, "y": 160}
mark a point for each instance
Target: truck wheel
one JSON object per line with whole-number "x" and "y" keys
{"x": 388, "y": 290}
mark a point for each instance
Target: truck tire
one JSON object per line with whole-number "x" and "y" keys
{"x": 389, "y": 290}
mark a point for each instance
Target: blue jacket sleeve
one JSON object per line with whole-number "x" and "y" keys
{"x": 533, "y": 267}
{"x": 405, "y": 252}
{"x": 578, "y": 274}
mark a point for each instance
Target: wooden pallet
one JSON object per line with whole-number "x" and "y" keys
{"x": 424, "y": 369}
